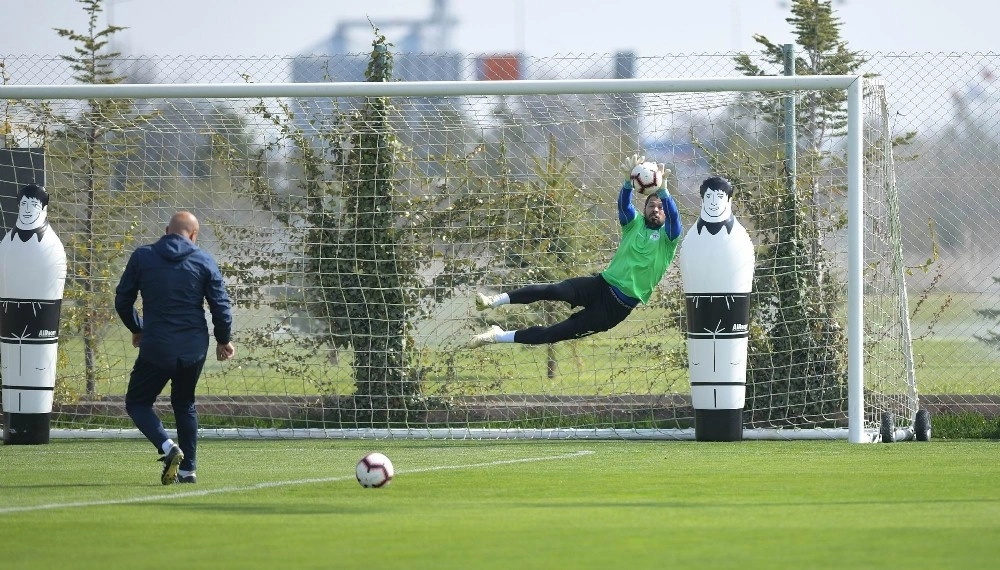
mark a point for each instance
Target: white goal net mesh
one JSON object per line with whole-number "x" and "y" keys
{"x": 353, "y": 234}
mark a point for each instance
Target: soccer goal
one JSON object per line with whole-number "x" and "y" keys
{"x": 355, "y": 222}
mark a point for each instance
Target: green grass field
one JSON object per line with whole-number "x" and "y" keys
{"x": 489, "y": 504}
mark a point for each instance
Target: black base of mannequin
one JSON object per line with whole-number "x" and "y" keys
{"x": 718, "y": 425}
{"x": 25, "y": 429}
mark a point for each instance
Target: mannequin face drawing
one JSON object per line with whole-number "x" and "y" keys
{"x": 30, "y": 213}
{"x": 715, "y": 206}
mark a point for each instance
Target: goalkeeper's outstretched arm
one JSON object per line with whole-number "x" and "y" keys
{"x": 626, "y": 211}
{"x": 672, "y": 225}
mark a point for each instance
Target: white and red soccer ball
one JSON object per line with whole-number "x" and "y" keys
{"x": 374, "y": 470}
{"x": 646, "y": 178}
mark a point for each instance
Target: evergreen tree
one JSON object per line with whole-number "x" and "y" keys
{"x": 820, "y": 114}
{"x": 368, "y": 275}
{"x": 797, "y": 368}
{"x": 358, "y": 283}
{"x": 91, "y": 204}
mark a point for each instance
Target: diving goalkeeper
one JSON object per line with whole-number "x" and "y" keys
{"x": 646, "y": 250}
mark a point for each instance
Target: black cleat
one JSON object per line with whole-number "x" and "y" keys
{"x": 171, "y": 462}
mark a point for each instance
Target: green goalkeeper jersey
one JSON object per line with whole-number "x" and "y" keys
{"x": 644, "y": 254}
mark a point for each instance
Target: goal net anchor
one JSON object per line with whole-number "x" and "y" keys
{"x": 918, "y": 430}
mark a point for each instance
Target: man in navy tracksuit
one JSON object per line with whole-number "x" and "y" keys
{"x": 175, "y": 278}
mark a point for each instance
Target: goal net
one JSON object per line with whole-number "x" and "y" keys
{"x": 355, "y": 223}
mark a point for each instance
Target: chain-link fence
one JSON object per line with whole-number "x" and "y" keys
{"x": 946, "y": 174}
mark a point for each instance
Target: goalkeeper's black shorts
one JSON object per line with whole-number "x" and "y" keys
{"x": 602, "y": 309}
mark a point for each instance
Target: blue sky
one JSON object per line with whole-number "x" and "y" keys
{"x": 538, "y": 27}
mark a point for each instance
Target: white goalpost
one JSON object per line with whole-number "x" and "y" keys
{"x": 354, "y": 223}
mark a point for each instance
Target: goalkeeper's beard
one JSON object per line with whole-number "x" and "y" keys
{"x": 653, "y": 223}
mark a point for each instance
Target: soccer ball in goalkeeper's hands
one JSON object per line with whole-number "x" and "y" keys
{"x": 374, "y": 470}
{"x": 646, "y": 178}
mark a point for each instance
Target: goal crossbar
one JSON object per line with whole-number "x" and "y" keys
{"x": 430, "y": 88}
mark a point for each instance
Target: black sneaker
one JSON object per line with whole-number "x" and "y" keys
{"x": 171, "y": 462}
{"x": 187, "y": 478}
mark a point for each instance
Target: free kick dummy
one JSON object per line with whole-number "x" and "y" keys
{"x": 32, "y": 277}
{"x": 717, "y": 263}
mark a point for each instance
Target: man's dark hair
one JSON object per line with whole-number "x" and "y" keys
{"x": 34, "y": 191}
{"x": 716, "y": 183}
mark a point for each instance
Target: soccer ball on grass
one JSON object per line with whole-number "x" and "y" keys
{"x": 646, "y": 178}
{"x": 374, "y": 470}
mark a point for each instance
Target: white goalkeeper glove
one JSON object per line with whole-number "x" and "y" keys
{"x": 631, "y": 162}
{"x": 664, "y": 171}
